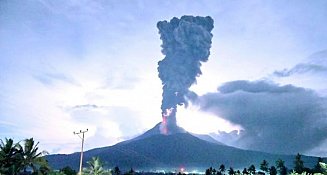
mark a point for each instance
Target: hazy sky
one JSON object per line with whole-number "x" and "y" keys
{"x": 68, "y": 65}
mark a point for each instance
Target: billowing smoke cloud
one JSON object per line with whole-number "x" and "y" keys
{"x": 285, "y": 119}
{"x": 317, "y": 63}
{"x": 185, "y": 43}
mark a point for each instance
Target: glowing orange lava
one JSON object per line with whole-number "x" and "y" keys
{"x": 164, "y": 129}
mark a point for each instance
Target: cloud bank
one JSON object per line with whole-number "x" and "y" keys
{"x": 278, "y": 119}
{"x": 316, "y": 64}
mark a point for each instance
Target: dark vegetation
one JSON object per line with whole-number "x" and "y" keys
{"x": 278, "y": 168}
{"x": 21, "y": 158}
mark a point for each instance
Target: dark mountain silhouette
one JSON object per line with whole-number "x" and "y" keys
{"x": 156, "y": 130}
{"x": 153, "y": 150}
{"x": 207, "y": 138}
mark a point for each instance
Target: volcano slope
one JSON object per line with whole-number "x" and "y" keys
{"x": 155, "y": 151}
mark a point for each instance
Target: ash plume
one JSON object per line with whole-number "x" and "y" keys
{"x": 270, "y": 116}
{"x": 186, "y": 43}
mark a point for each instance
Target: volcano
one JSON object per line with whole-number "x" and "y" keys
{"x": 186, "y": 44}
{"x": 156, "y": 130}
{"x": 153, "y": 151}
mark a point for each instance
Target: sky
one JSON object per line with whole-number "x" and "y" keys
{"x": 68, "y": 65}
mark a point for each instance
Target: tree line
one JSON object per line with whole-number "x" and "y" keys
{"x": 279, "y": 168}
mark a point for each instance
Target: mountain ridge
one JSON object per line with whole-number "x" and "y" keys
{"x": 159, "y": 151}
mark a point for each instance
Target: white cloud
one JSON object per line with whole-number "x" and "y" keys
{"x": 196, "y": 121}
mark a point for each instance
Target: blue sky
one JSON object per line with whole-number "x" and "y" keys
{"x": 67, "y": 65}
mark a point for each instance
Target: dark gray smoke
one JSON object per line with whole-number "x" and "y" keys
{"x": 186, "y": 43}
{"x": 286, "y": 119}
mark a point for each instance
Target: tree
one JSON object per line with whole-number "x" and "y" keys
{"x": 44, "y": 169}
{"x": 31, "y": 157}
{"x": 283, "y": 171}
{"x": 280, "y": 164}
{"x": 95, "y": 167}
{"x": 116, "y": 171}
{"x": 264, "y": 166}
{"x": 272, "y": 170}
{"x": 222, "y": 168}
{"x": 251, "y": 169}
{"x": 67, "y": 170}
{"x": 131, "y": 172}
{"x": 231, "y": 171}
{"x": 208, "y": 172}
{"x": 10, "y": 157}
{"x": 15, "y": 158}
{"x": 245, "y": 171}
{"x": 214, "y": 171}
{"x": 298, "y": 164}
{"x": 317, "y": 167}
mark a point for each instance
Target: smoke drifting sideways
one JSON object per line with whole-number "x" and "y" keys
{"x": 186, "y": 43}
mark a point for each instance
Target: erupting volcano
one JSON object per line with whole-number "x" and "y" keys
{"x": 186, "y": 43}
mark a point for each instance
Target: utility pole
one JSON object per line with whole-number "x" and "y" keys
{"x": 81, "y": 160}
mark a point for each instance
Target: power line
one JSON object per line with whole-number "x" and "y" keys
{"x": 81, "y": 160}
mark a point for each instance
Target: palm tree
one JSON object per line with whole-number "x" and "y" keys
{"x": 95, "y": 167}
{"x": 10, "y": 157}
{"x": 264, "y": 166}
{"x": 280, "y": 165}
{"x": 317, "y": 168}
{"x": 231, "y": 171}
{"x": 298, "y": 164}
{"x": 15, "y": 158}
{"x": 251, "y": 169}
{"x": 222, "y": 168}
{"x": 272, "y": 170}
{"x": 245, "y": 171}
{"x": 31, "y": 157}
{"x": 116, "y": 171}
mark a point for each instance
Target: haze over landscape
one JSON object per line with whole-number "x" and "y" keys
{"x": 72, "y": 65}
